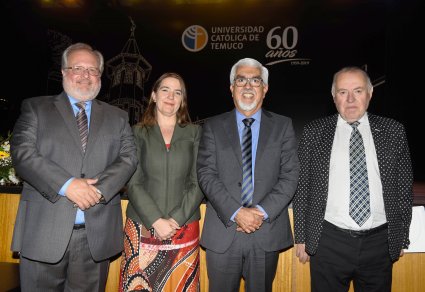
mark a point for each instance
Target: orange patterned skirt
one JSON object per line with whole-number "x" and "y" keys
{"x": 150, "y": 264}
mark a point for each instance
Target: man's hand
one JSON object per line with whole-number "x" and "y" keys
{"x": 165, "y": 228}
{"x": 249, "y": 219}
{"x": 303, "y": 257}
{"x": 83, "y": 193}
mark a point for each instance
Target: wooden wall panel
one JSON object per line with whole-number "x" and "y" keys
{"x": 8, "y": 209}
{"x": 290, "y": 275}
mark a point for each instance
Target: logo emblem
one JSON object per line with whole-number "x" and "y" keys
{"x": 194, "y": 38}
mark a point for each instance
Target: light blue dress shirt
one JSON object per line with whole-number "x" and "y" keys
{"x": 255, "y": 131}
{"x": 79, "y": 219}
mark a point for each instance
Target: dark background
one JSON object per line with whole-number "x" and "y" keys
{"x": 381, "y": 36}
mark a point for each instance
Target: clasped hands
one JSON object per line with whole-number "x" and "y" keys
{"x": 83, "y": 193}
{"x": 165, "y": 228}
{"x": 249, "y": 219}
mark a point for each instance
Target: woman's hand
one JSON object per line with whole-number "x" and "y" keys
{"x": 165, "y": 228}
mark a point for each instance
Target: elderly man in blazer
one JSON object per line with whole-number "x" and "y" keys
{"x": 342, "y": 241}
{"x": 243, "y": 235}
{"x": 69, "y": 220}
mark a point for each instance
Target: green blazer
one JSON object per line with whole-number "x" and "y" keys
{"x": 165, "y": 183}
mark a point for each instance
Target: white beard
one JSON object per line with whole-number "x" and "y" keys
{"x": 247, "y": 107}
{"x": 82, "y": 95}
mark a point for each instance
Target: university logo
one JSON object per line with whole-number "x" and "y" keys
{"x": 194, "y": 38}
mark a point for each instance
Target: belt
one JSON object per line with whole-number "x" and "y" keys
{"x": 79, "y": 226}
{"x": 357, "y": 233}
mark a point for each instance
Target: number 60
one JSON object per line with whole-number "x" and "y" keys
{"x": 276, "y": 39}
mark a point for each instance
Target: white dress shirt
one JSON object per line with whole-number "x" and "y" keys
{"x": 337, "y": 206}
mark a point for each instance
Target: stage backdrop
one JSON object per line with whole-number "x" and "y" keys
{"x": 302, "y": 43}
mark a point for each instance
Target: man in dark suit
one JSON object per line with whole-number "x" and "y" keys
{"x": 69, "y": 221}
{"x": 246, "y": 222}
{"x": 351, "y": 224}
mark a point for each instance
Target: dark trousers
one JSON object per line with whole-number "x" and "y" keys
{"x": 342, "y": 257}
{"x": 244, "y": 259}
{"x": 77, "y": 271}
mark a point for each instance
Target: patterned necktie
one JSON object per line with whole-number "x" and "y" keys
{"x": 82, "y": 123}
{"x": 247, "y": 187}
{"x": 359, "y": 183}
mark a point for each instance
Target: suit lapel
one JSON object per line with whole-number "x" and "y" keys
{"x": 177, "y": 133}
{"x": 96, "y": 121}
{"x": 231, "y": 130}
{"x": 266, "y": 127}
{"x": 155, "y": 132}
{"x": 65, "y": 109}
{"x": 324, "y": 148}
{"x": 379, "y": 139}
{"x": 327, "y": 139}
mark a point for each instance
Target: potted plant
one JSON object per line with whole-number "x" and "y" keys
{"x": 9, "y": 181}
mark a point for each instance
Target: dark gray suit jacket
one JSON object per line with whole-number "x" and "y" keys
{"x": 395, "y": 169}
{"x": 220, "y": 176}
{"x": 46, "y": 152}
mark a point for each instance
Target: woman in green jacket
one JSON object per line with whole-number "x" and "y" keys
{"x": 161, "y": 240}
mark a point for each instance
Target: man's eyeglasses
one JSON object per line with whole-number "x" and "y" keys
{"x": 242, "y": 81}
{"x": 80, "y": 70}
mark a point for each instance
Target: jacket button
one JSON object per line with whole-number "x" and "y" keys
{"x": 83, "y": 175}
{"x": 239, "y": 184}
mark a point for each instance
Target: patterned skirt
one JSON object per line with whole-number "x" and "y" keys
{"x": 150, "y": 264}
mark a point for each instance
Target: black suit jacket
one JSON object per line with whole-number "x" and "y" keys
{"x": 395, "y": 169}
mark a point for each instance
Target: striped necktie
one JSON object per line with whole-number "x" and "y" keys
{"x": 359, "y": 208}
{"x": 82, "y": 123}
{"x": 247, "y": 186}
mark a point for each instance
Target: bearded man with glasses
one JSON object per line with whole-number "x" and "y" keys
{"x": 74, "y": 154}
{"x": 248, "y": 169}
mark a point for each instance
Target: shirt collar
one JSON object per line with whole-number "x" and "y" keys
{"x": 240, "y": 117}
{"x": 74, "y": 100}
{"x": 364, "y": 120}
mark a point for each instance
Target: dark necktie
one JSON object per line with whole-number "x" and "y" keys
{"x": 82, "y": 123}
{"x": 247, "y": 187}
{"x": 359, "y": 183}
